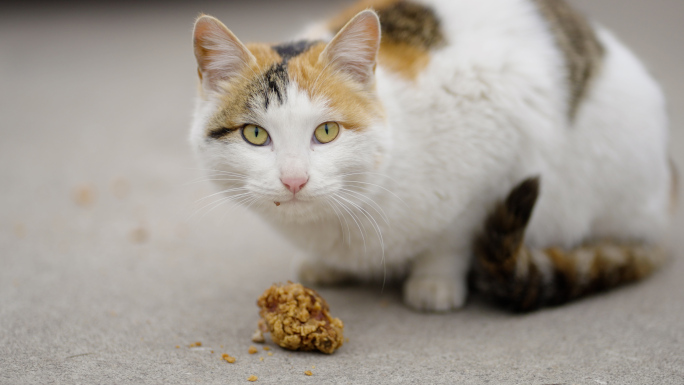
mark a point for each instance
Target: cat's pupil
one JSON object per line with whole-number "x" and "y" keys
{"x": 326, "y": 129}
{"x": 256, "y": 132}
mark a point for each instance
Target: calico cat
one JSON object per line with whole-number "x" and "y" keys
{"x": 509, "y": 141}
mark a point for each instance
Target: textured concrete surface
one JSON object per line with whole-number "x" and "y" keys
{"x": 104, "y": 269}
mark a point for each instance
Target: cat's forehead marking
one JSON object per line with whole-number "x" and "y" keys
{"x": 270, "y": 87}
{"x": 289, "y": 50}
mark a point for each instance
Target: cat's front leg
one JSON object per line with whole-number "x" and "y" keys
{"x": 438, "y": 280}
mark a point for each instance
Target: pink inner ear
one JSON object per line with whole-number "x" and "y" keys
{"x": 354, "y": 49}
{"x": 220, "y": 55}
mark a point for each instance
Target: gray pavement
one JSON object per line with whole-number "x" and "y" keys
{"x": 104, "y": 269}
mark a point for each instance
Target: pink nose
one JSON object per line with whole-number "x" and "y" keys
{"x": 294, "y": 184}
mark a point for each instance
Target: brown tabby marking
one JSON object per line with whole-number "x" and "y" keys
{"x": 578, "y": 41}
{"x": 409, "y": 32}
{"x": 505, "y": 269}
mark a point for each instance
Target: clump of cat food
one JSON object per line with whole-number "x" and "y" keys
{"x": 226, "y": 357}
{"x": 298, "y": 318}
{"x": 252, "y": 378}
{"x": 258, "y": 337}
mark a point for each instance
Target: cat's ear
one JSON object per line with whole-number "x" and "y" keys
{"x": 354, "y": 49}
{"x": 220, "y": 55}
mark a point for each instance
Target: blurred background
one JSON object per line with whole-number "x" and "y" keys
{"x": 106, "y": 265}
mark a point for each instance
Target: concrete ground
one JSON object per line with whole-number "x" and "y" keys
{"x": 104, "y": 270}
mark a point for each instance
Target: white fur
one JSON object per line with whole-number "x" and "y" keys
{"x": 489, "y": 111}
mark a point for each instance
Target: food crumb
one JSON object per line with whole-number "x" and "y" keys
{"x": 258, "y": 337}
{"x": 313, "y": 366}
{"x": 270, "y": 354}
{"x": 228, "y": 358}
{"x": 277, "y": 204}
{"x": 252, "y": 350}
{"x": 212, "y": 352}
{"x": 139, "y": 235}
{"x": 308, "y": 373}
{"x": 267, "y": 348}
{"x": 252, "y": 378}
{"x": 195, "y": 345}
{"x": 177, "y": 346}
{"x": 261, "y": 359}
{"x": 84, "y": 195}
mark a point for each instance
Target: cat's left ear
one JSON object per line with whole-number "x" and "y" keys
{"x": 220, "y": 55}
{"x": 354, "y": 49}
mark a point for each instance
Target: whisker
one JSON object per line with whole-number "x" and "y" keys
{"x": 377, "y": 185}
{"x": 368, "y": 200}
{"x": 327, "y": 200}
{"x": 220, "y": 192}
{"x": 354, "y": 218}
{"x": 215, "y": 204}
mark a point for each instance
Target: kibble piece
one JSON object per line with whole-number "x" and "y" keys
{"x": 308, "y": 373}
{"x": 267, "y": 348}
{"x": 252, "y": 350}
{"x": 298, "y": 318}
{"x": 270, "y": 354}
{"x": 258, "y": 337}
{"x": 252, "y": 378}
{"x": 228, "y": 358}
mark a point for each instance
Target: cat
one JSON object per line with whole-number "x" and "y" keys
{"x": 506, "y": 146}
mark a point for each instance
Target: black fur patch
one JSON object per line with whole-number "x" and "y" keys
{"x": 410, "y": 23}
{"x": 289, "y": 50}
{"x": 269, "y": 87}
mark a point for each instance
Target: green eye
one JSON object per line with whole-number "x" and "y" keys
{"x": 326, "y": 132}
{"x": 255, "y": 135}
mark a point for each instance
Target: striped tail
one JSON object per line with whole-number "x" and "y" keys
{"x": 524, "y": 280}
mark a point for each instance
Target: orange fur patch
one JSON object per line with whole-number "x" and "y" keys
{"x": 403, "y": 59}
{"x": 235, "y": 93}
{"x": 358, "y": 106}
{"x": 336, "y": 23}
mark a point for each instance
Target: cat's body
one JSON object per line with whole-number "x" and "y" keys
{"x": 468, "y": 99}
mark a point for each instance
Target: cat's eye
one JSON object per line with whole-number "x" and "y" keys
{"x": 326, "y": 132}
{"x": 255, "y": 135}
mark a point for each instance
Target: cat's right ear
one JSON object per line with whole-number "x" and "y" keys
{"x": 354, "y": 49}
{"x": 220, "y": 55}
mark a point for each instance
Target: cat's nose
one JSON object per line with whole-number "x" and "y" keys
{"x": 295, "y": 183}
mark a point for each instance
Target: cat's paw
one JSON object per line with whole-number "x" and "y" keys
{"x": 434, "y": 293}
{"x": 315, "y": 273}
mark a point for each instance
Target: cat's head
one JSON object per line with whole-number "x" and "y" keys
{"x": 296, "y": 129}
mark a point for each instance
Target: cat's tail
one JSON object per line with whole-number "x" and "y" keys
{"x": 524, "y": 279}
